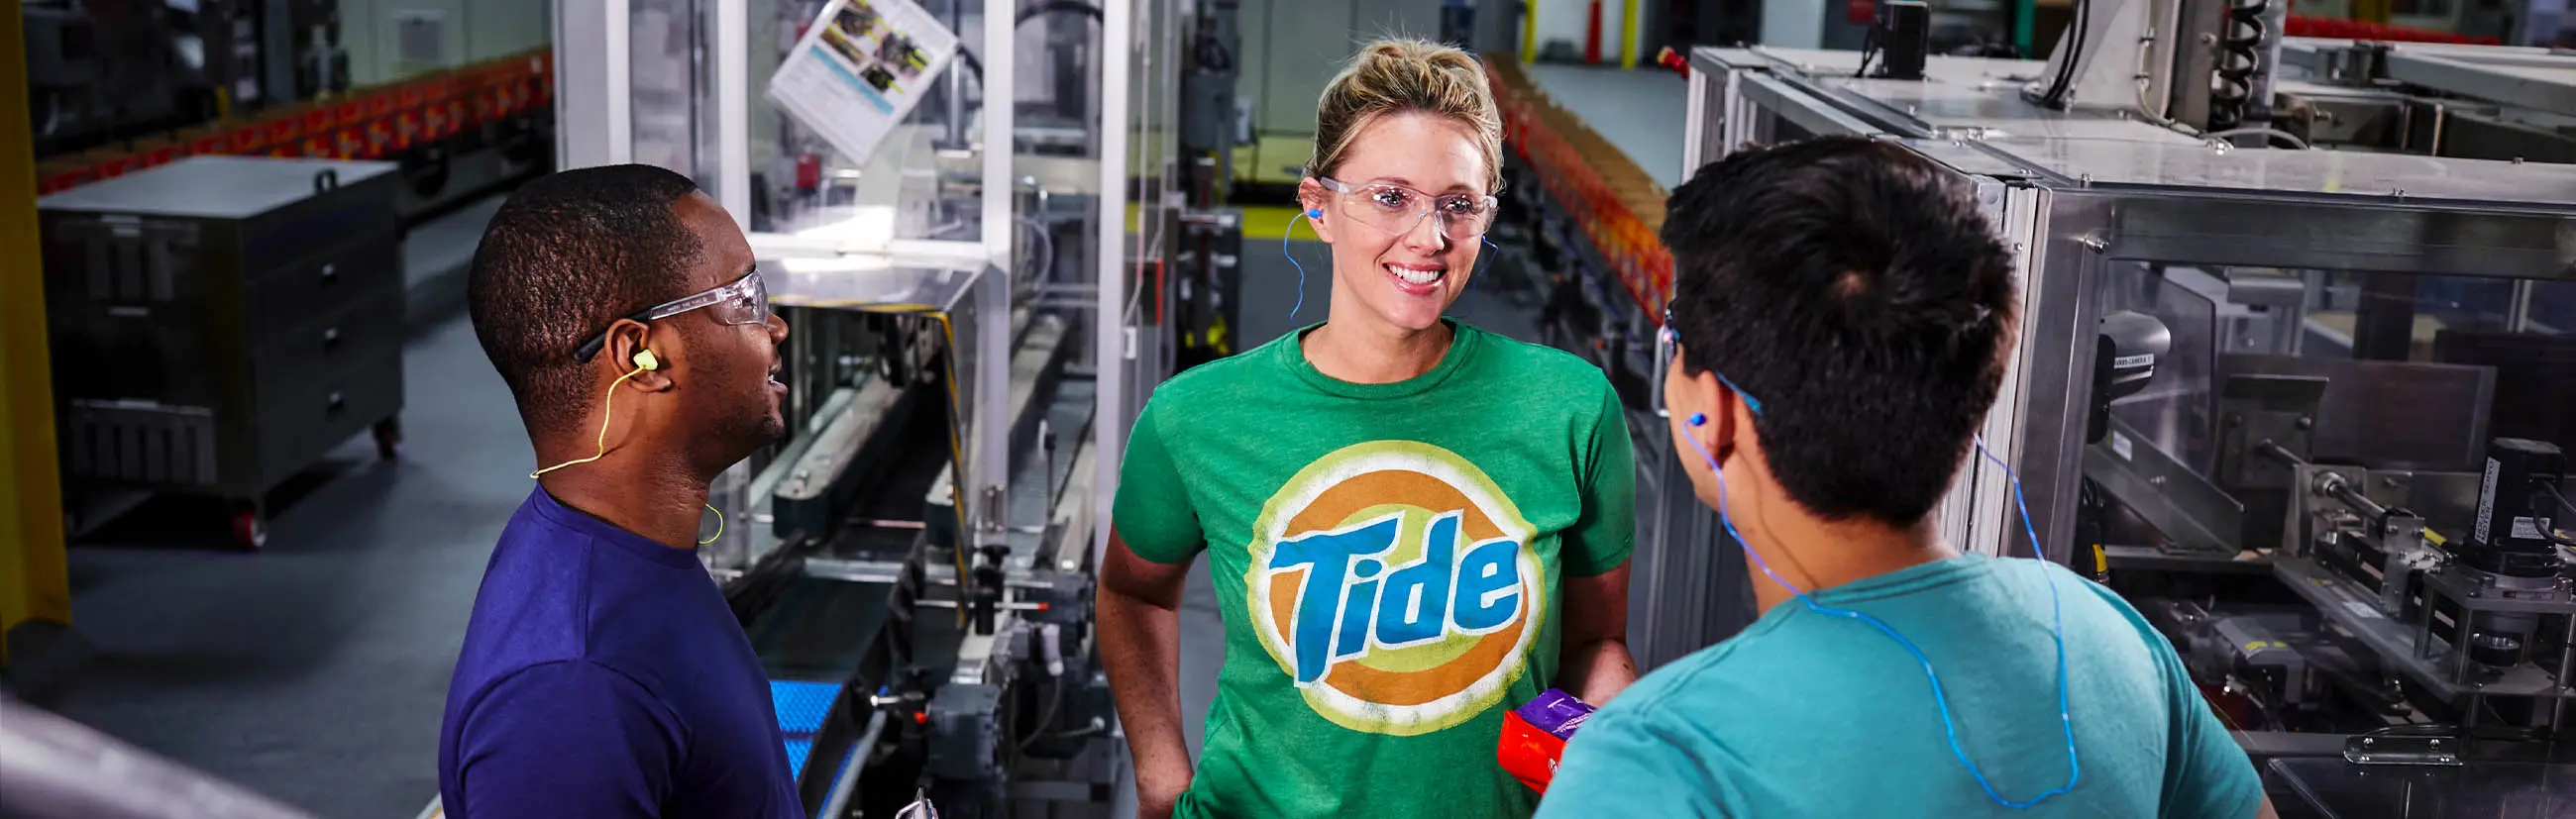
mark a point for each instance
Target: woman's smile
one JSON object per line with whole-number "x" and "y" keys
{"x": 1417, "y": 279}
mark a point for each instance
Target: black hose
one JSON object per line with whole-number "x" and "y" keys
{"x": 2055, "y": 96}
{"x": 2240, "y": 58}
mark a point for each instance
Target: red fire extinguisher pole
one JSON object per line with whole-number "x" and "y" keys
{"x": 1592, "y": 36}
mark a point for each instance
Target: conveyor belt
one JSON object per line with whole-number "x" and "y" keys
{"x": 801, "y": 707}
{"x": 1613, "y": 202}
{"x": 838, "y": 604}
{"x": 823, "y": 629}
{"x": 1643, "y": 113}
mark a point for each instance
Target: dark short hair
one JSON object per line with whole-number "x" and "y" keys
{"x": 1860, "y": 296}
{"x": 568, "y": 254}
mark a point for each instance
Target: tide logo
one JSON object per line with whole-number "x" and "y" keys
{"x": 1392, "y": 581}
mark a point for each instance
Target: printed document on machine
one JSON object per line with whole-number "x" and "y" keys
{"x": 860, "y": 69}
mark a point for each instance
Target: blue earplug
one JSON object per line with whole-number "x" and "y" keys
{"x": 1314, "y": 212}
{"x": 1699, "y": 419}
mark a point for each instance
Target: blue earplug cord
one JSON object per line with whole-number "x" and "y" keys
{"x": 1301, "y": 268}
{"x": 1949, "y": 726}
{"x": 1292, "y": 259}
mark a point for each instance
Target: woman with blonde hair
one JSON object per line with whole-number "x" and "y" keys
{"x": 1413, "y": 525}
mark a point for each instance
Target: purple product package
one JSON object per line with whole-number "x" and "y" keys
{"x": 1556, "y": 712}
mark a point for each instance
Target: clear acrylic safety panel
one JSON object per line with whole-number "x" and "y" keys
{"x": 920, "y": 183}
{"x": 2420, "y": 370}
{"x": 2167, "y": 164}
{"x": 2334, "y": 789}
{"x": 923, "y": 181}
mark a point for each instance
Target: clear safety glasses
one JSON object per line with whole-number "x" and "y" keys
{"x": 1668, "y": 344}
{"x": 745, "y": 301}
{"x": 1396, "y": 209}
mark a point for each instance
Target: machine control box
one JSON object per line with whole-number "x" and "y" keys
{"x": 2518, "y": 497}
{"x": 965, "y": 728}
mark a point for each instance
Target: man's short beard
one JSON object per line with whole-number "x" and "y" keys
{"x": 741, "y": 436}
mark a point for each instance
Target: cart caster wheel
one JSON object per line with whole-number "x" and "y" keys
{"x": 389, "y": 443}
{"x": 249, "y": 532}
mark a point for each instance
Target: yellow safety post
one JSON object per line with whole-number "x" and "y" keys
{"x": 1529, "y": 32}
{"x": 33, "y": 585}
{"x": 1628, "y": 34}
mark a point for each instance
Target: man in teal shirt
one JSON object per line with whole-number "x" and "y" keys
{"x": 1840, "y": 324}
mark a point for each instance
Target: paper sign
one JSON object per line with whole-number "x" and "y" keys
{"x": 860, "y": 69}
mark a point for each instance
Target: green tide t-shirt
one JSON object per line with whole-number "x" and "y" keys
{"x": 1387, "y": 558}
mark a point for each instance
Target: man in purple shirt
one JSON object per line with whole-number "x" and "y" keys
{"x": 602, "y": 674}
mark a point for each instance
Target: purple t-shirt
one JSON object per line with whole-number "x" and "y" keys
{"x": 603, "y": 676}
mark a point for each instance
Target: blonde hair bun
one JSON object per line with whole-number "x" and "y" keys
{"x": 1404, "y": 75}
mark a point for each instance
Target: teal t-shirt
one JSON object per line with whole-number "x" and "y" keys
{"x": 1387, "y": 558}
{"x": 1807, "y": 714}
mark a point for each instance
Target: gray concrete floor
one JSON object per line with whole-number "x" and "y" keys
{"x": 1640, "y": 112}
{"x": 315, "y": 671}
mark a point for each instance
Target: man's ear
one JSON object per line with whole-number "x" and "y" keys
{"x": 631, "y": 349}
{"x": 1727, "y": 416}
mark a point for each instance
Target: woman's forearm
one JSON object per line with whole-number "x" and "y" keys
{"x": 1598, "y": 670}
{"x": 1140, "y": 647}
{"x": 1594, "y": 647}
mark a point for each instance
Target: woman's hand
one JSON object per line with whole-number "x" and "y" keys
{"x": 1140, "y": 645}
{"x": 1157, "y": 792}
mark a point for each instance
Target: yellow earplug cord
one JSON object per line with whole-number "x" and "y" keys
{"x": 605, "y": 406}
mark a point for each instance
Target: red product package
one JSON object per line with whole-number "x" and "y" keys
{"x": 1530, "y": 754}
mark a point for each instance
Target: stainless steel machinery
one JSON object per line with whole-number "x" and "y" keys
{"x": 2307, "y": 409}
{"x": 980, "y": 307}
{"x": 2471, "y": 102}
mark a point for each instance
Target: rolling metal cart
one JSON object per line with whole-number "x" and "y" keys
{"x": 220, "y": 323}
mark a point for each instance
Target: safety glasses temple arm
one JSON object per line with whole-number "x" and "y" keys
{"x": 590, "y": 349}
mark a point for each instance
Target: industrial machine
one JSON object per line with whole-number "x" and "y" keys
{"x": 106, "y": 71}
{"x": 317, "y": 61}
{"x": 120, "y": 86}
{"x": 2306, "y": 407}
{"x": 982, "y": 299}
{"x": 980, "y": 317}
{"x": 2471, "y": 102}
